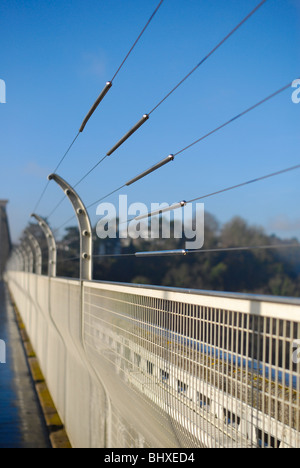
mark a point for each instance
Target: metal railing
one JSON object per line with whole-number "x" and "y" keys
{"x": 132, "y": 366}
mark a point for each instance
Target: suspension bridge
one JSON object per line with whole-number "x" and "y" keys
{"x": 98, "y": 364}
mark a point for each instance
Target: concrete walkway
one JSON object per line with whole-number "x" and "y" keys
{"x": 21, "y": 420}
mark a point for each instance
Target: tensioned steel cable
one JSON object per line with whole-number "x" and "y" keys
{"x": 79, "y": 182}
{"x": 137, "y": 40}
{"x": 208, "y": 55}
{"x": 172, "y": 156}
{"x": 97, "y": 102}
{"x": 183, "y": 203}
{"x": 56, "y": 169}
{"x": 234, "y": 118}
{"x": 183, "y": 252}
{"x": 110, "y": 83}
{"x": 101, "y": 199}
{"x": 146, "y": 116}
{"x": 202, "y": 197}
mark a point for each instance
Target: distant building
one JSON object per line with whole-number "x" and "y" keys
{"x": 5, "y": 240}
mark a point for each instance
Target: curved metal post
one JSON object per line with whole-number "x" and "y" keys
{"x": 18, "y": 259}
{"x": 10, "y": 264}
{"x": 30, "y": 257}
{"x": 52, "y": 249}
{"x": 21, "y": 258}
{"x": 37, "y": 252}
{"x": 13, "y": 263}
{"x": 25, "y": 256}
{"x": 86, "y": 240}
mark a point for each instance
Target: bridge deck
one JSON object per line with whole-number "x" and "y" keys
{"x": 21, "y": 421}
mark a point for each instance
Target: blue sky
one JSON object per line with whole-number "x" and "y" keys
{"x": 55, "y": 57}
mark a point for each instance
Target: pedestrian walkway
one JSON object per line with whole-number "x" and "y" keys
{"x": 21, "y": 420}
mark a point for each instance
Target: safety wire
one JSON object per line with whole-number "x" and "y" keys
{"x": 93, "y": 109}
{"x": 146, "y": 116}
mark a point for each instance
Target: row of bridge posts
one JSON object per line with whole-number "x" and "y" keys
{"x": 28, "y": 255}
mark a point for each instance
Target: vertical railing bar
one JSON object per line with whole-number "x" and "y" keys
{"x": 277, "y": 372}
{"x": 294, "y": 407}
{"x": 260, "y": 364}
{"x": 271, "y": 366}
{"x": 243, "y": 431}
{"x": 234, "y": 414}
{"x": 193, "y": 382}
{"x": 255, "y": 371}
{"x": 234, "y": 378}
{"x": 172, "y": 362}
{"x": 232, "y": 372}
{"x": 238, "y": 382}
{"x": 182, "y": 365}
{"x": 249, "y": 417}
{"x": 159, "y": 321}
{"x": 257, "y": 348}
{"x": 283, "y": 383}
{"x": 157, "y": 344}
{"x": 204, "y": 357}
{"x": 179, "y": 305}
{"x": 188, "y": 374}
{"x": 216, "y": 363}
{"x": 209, "y": 353}
{"x": 168, "y": 357}
{"x": 178, "y": 357}
{"x": 264, "y": 377}
{"x": 236, "y": 372}
{"x": 254, "y": 413}
{"x": 228, "y": 384}
{"x": 297, "y": 409}
{"x": 193, "y": 337}
{"x": 214, "y": 358}
{"x": 290, "y": 390}
{"x": 213, "y": 393}
{"x": 160, "y": 354}
{"x": 221, "y": 363}
{"x": 209, "y": 356}
{"x": 150, "y": 347}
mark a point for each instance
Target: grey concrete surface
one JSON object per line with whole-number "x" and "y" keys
{"x": 21, "y": 420}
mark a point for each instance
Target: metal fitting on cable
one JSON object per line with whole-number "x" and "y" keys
{"x": 151, "y": 169}
{"x": 128, "y": 134}
{"x": 95, "y": 105}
